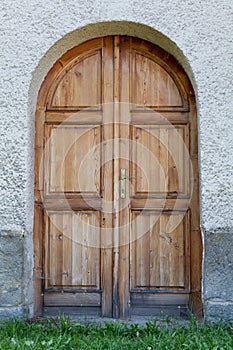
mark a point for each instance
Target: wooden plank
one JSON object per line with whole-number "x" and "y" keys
{"x": 94, "y": 251}
{"x": 159, "y": 118}
{"x": 54, "y": 251}
{"x": 81, "y": 117}
{"x": 152, "y": 299}
{"x": 123, "y": 74}
{"x": 194, "y": 202}
{"x": 163, "y": 156}
{"x": 177, "y": 251}
{"x": 116, "y": 172}
{"x": 39, "y": 154}
{"x": 76, "y": 253}
{"x": 67, "y": 268}
{"x": 69, "y": 161}
{"x": 90, "y": 246}
{"x": 106, "y": 218}
{"x": 142, "y": 253}
{"x": 38, "y": 261}
{"x": 160, "y": 203}
{"x": 72, "y": 299}
{"x": 164, "y": 253}
{"x": 196, "y": 245}
{"x": 54, "y": 159}
{"x": 154, "y": 249}
{"x": 187, "y": 250}
{"x": 74, "y": 203}
{"x": 161, "y": 311}
{"x": 175, "y": 171}
{"x": 72, "y": 311}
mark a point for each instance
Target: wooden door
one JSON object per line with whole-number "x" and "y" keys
{"x": 116, "y": 213}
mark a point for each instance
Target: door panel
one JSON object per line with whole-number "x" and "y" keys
{"x": 78, "y": 79}
{"x": 71, "y": 151}
{"x": 73, "y": 255}
{"x": 159, "y": 251}
{"x": 151, "y": 83}
{"x": 160, "y": 163}
{"x": 105, "y": 243}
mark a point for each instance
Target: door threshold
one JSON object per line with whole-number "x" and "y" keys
{"x": 160, "y": 321}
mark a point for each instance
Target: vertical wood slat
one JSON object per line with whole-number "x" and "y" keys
{"x": 116, "y": 172}
{"x": 70, "y": 161}
{"x": 54, "y": 252}
{"x": 38, "y": 209}
{"x": 196, "y": 238}
{"x": 67, "y": 250}
{"x": 39, "y": 154}
{"x": 143, "y": 257}
{"x": 124, "y": 214}
{"x": 107, "y": 179}
{"x": 38, "y": 259}
{"x": 154, "y": 249}
{"x": 76, "y": 254}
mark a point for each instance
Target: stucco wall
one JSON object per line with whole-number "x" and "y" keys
{"x": 33, "y": 35}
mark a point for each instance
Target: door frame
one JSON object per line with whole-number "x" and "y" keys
{"x": 196, "y": 242}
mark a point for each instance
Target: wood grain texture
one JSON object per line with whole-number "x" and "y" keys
{"x": 72, "y": 259}
{"x": 107, "y": 190}
{"x": 72, "y": 151}
{"x": 124, "y": 158}
{"x": 112, "y": 103}
{"x": 159, "y": 251}
{"x": 75, "y": 81}
{"x": 160, "y": 164}
{"x": 72, "y": 299}
{"x": 152, "y": 85}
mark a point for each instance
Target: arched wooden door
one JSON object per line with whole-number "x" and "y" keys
{"x": 116, "y": 184}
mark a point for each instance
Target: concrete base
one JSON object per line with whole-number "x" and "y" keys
{"x": 11, "y": 274}
{"x": 218, "y": 276}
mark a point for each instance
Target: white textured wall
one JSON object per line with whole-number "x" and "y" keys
{"x": 203, "y": 30}
{"x": 34, "y": 34}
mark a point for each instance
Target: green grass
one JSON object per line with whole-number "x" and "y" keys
{"x": 64, "y": 334}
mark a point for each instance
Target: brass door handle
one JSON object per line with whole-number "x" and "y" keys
{"x": 122, "y": 182}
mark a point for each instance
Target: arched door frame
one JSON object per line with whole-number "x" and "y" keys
{"x": 38, "y": 222}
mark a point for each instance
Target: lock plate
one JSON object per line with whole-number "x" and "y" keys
{"x": 122, "y": 182}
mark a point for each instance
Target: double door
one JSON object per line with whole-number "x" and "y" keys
{"x": 117, "y": 220}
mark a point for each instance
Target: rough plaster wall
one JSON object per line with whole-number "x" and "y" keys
{"x": 34, "y": 35}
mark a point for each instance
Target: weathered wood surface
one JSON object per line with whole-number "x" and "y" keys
{"x": 112, "y": 103}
